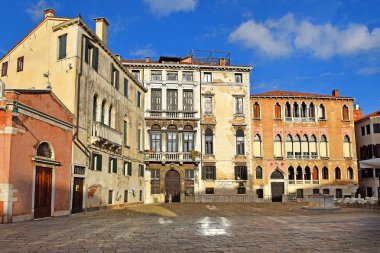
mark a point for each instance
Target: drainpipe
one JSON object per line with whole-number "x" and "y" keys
{"x": 200, "y": 127}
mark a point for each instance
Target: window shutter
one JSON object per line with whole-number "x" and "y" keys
{"x": 236, "y": 173}
{"x": 129, "y": 168}
{"x": 111, "y": 67}
{"x": 109, "y": 165}
{"x": 126, "y": 87}
{"x": 99, "y": 164}
{"x": 117, "y": 80}
{"x": 214, "y": 172}
{"x": 115, "y": 165}
{"x": 245, "y": 173}
{"x": 203, "y": 173}
{"x": 86, "y": 43}
{"x": 95, "y": 58}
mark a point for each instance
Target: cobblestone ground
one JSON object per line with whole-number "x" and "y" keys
{"x": 199, "y": 228}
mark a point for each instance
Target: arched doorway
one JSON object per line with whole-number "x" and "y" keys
{"x": 172, "y": 186}
{"x": 277, "y": 185}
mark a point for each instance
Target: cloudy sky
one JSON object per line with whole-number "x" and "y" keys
{"x": 310, "y": 46}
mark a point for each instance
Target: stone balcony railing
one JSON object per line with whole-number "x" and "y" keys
{"x": 302, "y": 181}
{"x": 171, "y": 114}
{"x": 304, "y": 155}
{"x": 300, "y": 119}
{"x": 106, "y": 135}
{"x": 171, "y": 157}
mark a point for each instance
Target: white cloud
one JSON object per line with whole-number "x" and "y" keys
{"x": 166, "y": 7}
{"x": 368, "y": 71}
{"x": 36, "y": 11}
{"x": 287, "y": 35}
{"x": 143, "y": 51}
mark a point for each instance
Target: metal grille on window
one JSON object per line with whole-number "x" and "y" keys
{"x": 44, "y": 150}
{"x": 79, "y": 170}
{"x": 156, "y": 99}
{"x": 239, "y": 105}
{"x": 172, "y": 100}
{"x": 188, "y": 100}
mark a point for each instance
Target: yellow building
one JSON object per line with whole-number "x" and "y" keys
{"x": 67, "y": 56}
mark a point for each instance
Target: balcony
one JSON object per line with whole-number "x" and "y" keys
{"x": 300, "y": 119}
{"x": 105, "y": 135}
{"x": 302, "y": 181}
{"x": 304, "y": 155}
{"x": 171, "y": 114}
{"x": 171, "y": 157}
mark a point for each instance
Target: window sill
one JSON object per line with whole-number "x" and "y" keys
{"x": 322, "y": 119}
{"x": 127, "y": 146}
{"x": 325, "y": 157}
{"x": 348, "y": 158}
{"x": 277, "y": 119}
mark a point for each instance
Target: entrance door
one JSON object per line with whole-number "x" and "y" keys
{"x": 172, "y": 186}
{"x": 77, "y": 195}
{"x": 277, "y": 191}
{"x": 42, "y": 199}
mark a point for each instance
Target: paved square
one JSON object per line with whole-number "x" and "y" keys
{"x": 274, "y": 227}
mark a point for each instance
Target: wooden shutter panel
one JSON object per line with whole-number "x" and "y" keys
{"x": 99, "y": 164}
{"x": 214, "y": 173}
{"x": 109, "y": 165}
{"x": 203, "y": 173}
{"x": 86, "y": 43}
{"x": 117, "y": 80}
{"x": 95, "y": 58}
{"x": 115, "y": 165}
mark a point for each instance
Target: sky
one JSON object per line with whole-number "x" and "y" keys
{"x": 310, "y": 46}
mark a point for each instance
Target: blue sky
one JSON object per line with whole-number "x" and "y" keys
{"x": 309, "y": 46}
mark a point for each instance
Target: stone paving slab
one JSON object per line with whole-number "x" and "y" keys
{"x": 274, "y": 227}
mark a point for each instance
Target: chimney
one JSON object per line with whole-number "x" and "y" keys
{"x": 358, "y": 113}
{"x": 101, "y": 29}
{"x": 49, "y": 13}
{"x": 118, "y": 56}
{"x": 147, "y": 59}
{"x": 335, "y": 93}
{"x": 222, "y": 62}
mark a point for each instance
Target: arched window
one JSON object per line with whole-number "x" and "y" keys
{"x": 103, "y": 112}
{"x": 291, "y": 173}
{"x": 209, "y": 142}
{"x": 307, "y": 175}
{"x": 346, "y": 147}
{"x": 94, "y": 107}
{"x": 110, "y": 115}
{"x": 297, "y": 147}
{"x": 256, "y": 111}
{"x": 296, "y": 110}
{"x": 155, "y": 138}
{"x": 288, "y": 110}
{"x": 277, "y": 111}
{"x": 172, "y": 139}
{"x": 315, "y": 173}
{"x": 313, "y": 147}
{"x": 44, "y": 150}
{"x": 321, "y": 112}
{"x": 259, "y": 172}
{"x": 289, "y": 147}
{"x": 350, "y": 174}
{"x": 277, "y": 175}
{"x": 257, "y": 146}
{"x": 323, "y": 146}
{"x": 305, "y": 147}
{"x": 240, "y": 147}
{"x": 338, "y": 174}
{"x": 325, "y": 173}
{"x": 345, "y": 113}
{"x": 303, "y": 110}
{"x": 299, "y": 173}
{"x": 311, "y": 112}
{"x": 277, "y": 146}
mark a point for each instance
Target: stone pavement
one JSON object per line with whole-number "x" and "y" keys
{"x": 271, "y": 227}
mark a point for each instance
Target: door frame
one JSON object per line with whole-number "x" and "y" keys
{"x": 72, "y": 185}
{"x": 72, "y": 192}
{"x": 270, "y": 180}
{"x": 52, "y": 167}
{"x": 179, "y": 181}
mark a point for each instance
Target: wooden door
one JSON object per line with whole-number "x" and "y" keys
{"x": 277, "y": 191}
{"x": 43, "y": 189}
{"x": 77, "y": 195}
{"x": 172, "y": 186}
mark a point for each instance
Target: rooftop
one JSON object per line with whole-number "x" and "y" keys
{"x": 282, "y": 93}
{"x": 373, "y": 114}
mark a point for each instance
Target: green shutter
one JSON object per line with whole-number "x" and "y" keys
{"x": 125, "y": 133}
{"x": 129, "y": 169}
{"x": 117, "y": 80}
{"x": 109, "y": 165}
{"x": 86, "y": 43}
{"x": 126, "y": 87}
{"x": 99, "y": 163}
{"x": 142, "y": 170}
{"x": 62, "y": 46}
{"x": 114, "y": 165}
{"x": 95, "y": 58}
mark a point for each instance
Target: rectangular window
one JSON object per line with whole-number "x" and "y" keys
{"x": 139, "y": 146}
{"x": 239, "y": 101}
{"x": 114, "y": 77}
{"x": 156, "y": 75}
{"x": 209, "y": 190}
{"x": 172, "y": 142}
{"x": 326, "y": 191}
{"x": 338, "y": 193}
{"x": 172, "y": 100}
{"x": 62, "y": 46}
{"x": 207, "y": 77}
{"x": 188, "y": 141}
{"x": 155, "y": 141}
{"x": 125, "y": 130}
{"x": 189, "y": 174}
{"x": 125, "y": 87}
{"x": 368, "y": 128}
{"x": 126, "y": 196}
{"x": 172, "y": 76}
{"x": 127, "y": 169}
{"x": 136, "y": 74}
{"x": 238, "y": 78}
{"x": 241, "y": 190}
{"x": 189, "y": 182}
{"x": 240, "y": 149}
{"x": 208, "y": 108}
{"x": 376, "y": 128}
{"x": 112, "y": 165}
{"x": 141, "y": 170}
{"x": 260, "y": 193}
{"x": 156, "y": 97}
{"x": 188, "y": 100}
{"x": 79, "y": 170}
{"x": 299, "y": 193}
{"x": 209, "y": 173}
{"x": 155, "y": 181}
{"x": 187, "y": 76}
{"x": 362, "y": 129}
{"x": 20, "y": 64}
{"x": 241, "y": 173}
{"x": 110, "y": 197}
{"x": 96, "y": 162}
{"x": 91, "y": 54}
{"x": 138, "y": 99}
{"x": 4, "y": 68}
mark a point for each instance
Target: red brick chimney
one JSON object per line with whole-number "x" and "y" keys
{"x": 147, "y": 59}
{"x": 49, "y": 13}
{"x": 222, "y": 62}
{"x": 335, "y": 93}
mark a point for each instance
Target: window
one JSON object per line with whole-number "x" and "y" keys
{"x": 260, "y": 193}
{"x": 209, "y": 173}
{"x": 4, "y": 68}
{"x": 138, "y": 99}
{"x": 209, "y": 190}
{"x": 325, "y": 173}
{"x": 127, "y": 170}
{"x": 188, "y": 100}
{"x": 62, "y": 46}
{"x": 125, "y": 87}
{"x": 338, "y": 174}
{"x": 312, "y": 112}
{"x": 288, "y": 110}
{"x": 110, "y": 115}
{"x": 239, "y": 101}
{"x": 241, "y": 173}
{"x": 189, "y": 174}
{"x": 257, "y": 146}
{"x": 156, "y": 75}
{"x": 338, "y": 193}
{"x": 291, "y": 173}
{"x": 208, "y": 108}
{"x": 156, "y": 96}
{"x": 346, "y": 147}
{"x": 125, "y": 131}
{"x": 362, "y": 129}
{"x": 241, "y": 190}
{"x": 350, "y": 174}
{"x": 321, "y": 112}
{"x": 313, "y": 147}
{"x": 136, "y": 74}
{"x": 303, "y": 110}
{"x": 326, "y": 191}
{"x": 297, "y": 147}
{"x": 155, "y": 141}
{"x": 96, "y": 162}
{"x": 187, "y": 76}
{"x": 141, "y": 170}
{"x": 209, "y": 142}
{"x": 141, "y": 195}
{"x": 277, "y": 111}
{"x": 20, "y": 64}
{"x": 324, "y": 146}
{"x": 299, "y": 193}
{"x": 307, "y": 175}
{"x": 296, "y": 110}
{"x": 238, "y": 78}
{"x": 345, "y": 113}
{"x": 315, "y": 191}
{"x": 240, "y": 146}
{"x": 259, "y": 172}
{"x": 172, "y": 100}
{"x": 79, "y": 170}
{"x": 189, "y": 182}
{"x": 91, "y": 54}
{"x": 289, "y": 147}
{"x": 368, "y": 128}
{"x": 126, "y": 196}
{"x": 277, "y": 146}
{"x": 112, "y": 165}
{"x": 114, "y": 76}
{"x": 188, "y": 141}
{"x": 305, "y": 147}
{"x": 103, "y": 112}
{"x": 110, "y": 197}
{"x": 172, "y": 139}
{"x": 172, "y": 76}
{"x": 256, "y": 111}
{"x": 299, "y": 175}
{"x": 207, "y": 78}
{"x": 139, "y": 144}
{"x": 44, "y": 150}
{"x": 155, "y": 181}
{"x": 376, "y": 128}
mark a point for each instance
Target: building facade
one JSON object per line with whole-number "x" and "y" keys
{"x": 36, "y": 144}
{"x": 367, "y": 130}
{"x": 197, "y": 127}
{"x": 303, "y": 144}
{"x": 67, "y": 56}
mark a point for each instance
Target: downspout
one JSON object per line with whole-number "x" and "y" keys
{"x": 77, "y": 84}
{"x": 200, "y": 125}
